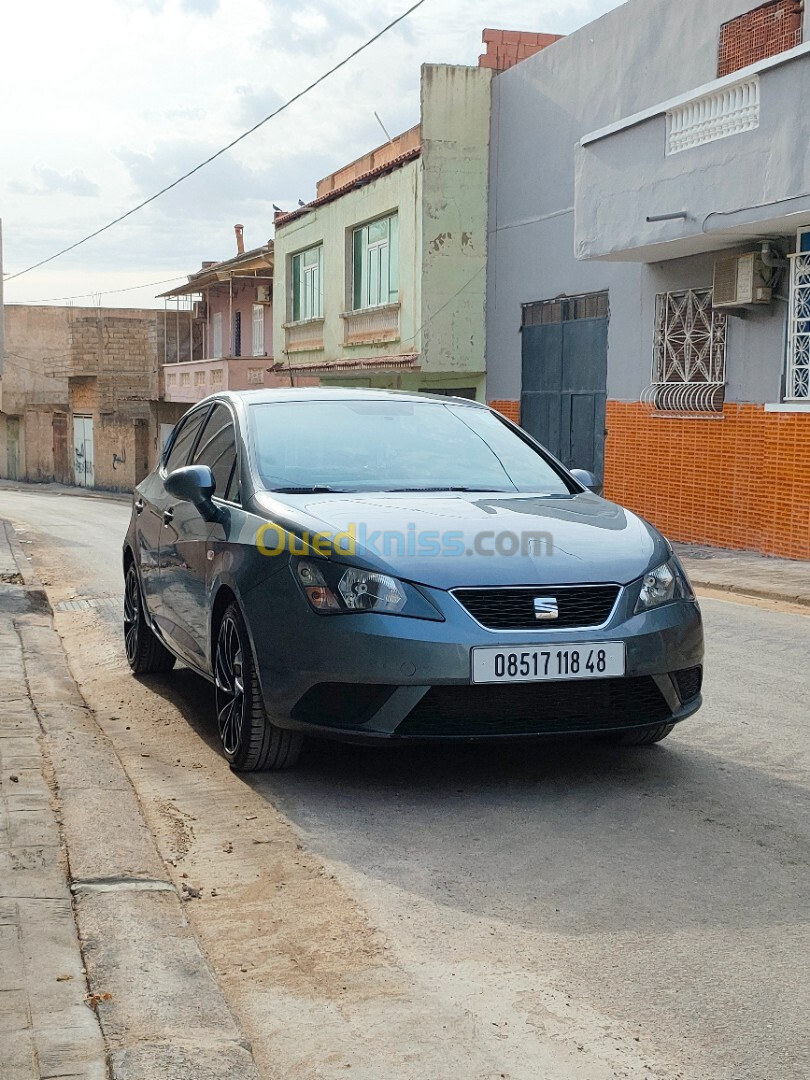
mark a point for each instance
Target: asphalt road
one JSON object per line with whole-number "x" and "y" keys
{"x": 658, "y": 896}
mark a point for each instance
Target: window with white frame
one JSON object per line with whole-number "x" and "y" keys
{"x": 307, "y": 284}
{"x": 216, "y": 334}
{"x": 797, "y": 378}
{"x": 258, "y": 329}
{"x": 689, "y": 352}
{"x": 375, "y": 263}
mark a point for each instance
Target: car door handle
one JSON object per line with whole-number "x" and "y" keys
{"x": 139, "y": 505}
{"x": 167, "y": 516}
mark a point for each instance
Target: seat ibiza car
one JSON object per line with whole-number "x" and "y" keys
{"x": 366, "y": 564}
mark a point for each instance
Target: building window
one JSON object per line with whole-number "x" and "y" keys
{"x": 769, "y": 29}
{"x": 171, "y": 380}
{"x": 258, "y": 329}
{"x": 216, "y": 376}
{"x": 689, "y": 353}
{"x": 797, "y": 381}
{"x": 375, "y": 263}
{"x": 185, "y": 378}
{"x": 255, "y": 375}
{"x": 237, "y": 333}
{"x": 307, "y": 284}
{"x": 216, "y": 333}
{"x": 199, "y": 378}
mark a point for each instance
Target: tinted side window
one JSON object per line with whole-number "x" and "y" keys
{"x": 184, "y": 439}
{"x": 217, "y": 448}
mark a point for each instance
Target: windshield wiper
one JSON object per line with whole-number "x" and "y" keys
{"x": 314, "y": 489}
{"x": 450, "y": 487}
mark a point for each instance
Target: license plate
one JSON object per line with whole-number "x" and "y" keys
{"x": 550, "y": 662}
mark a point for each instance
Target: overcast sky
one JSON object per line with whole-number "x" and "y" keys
{"x": 106, "y": 101}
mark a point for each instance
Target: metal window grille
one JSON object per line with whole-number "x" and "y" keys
{"x": 797, "y": 383}
{"x": 689, "y": 354}
{"x": 566, "y": 309}
{"x": 216, "y": 377}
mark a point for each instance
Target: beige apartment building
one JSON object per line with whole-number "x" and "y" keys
{"x": 381, "y": 279}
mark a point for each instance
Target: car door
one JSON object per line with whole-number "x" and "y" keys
{"x": 152, "y": 501}
{"x": 186, "y": 540}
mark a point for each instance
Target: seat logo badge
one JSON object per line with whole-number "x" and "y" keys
{"x": 546, "y": 608}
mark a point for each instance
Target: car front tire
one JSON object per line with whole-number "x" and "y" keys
{"x": 145, "y": 652}
{"x": 250, "y": 741}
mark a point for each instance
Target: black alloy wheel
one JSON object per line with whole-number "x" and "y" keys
{"x": 250, "y": 741}
{"x": 145, "y": 653}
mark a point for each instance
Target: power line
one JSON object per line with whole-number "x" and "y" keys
{"x": 103, "y": 292}
{"x": 229, "y": 146}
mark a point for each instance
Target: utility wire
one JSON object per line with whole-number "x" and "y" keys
{"x": 230, "y": 145}
{"x": 102, "y": 292}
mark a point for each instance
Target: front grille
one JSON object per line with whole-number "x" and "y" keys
{"x": 688, "y": 682}
{"x": 542, "y": 708}
{"x": 513, "y": 609}
{"x": 341, "y": 705}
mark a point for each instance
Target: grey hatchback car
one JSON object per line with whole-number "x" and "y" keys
{"x": 367, "y": 564}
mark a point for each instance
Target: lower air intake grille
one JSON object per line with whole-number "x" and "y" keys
{"x": 536, "y": 708}
{"x": 688, "y": 682}
{"x": 341, "y": 705}
{"x": 513, "y": 609}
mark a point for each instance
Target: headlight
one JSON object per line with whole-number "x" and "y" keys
{"x": 662, "y": 585}
{"x": 333, "y": 588}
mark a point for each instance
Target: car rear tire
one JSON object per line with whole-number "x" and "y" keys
{"x": 644, "y": 737}
{"x": 250, "y": 741}
{"x": 145, "y": 652}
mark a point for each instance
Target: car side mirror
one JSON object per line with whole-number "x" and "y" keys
{"x": 195, "y": 484}
{"x": 588, "y": 480}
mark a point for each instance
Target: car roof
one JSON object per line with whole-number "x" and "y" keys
{"x": 328, "y": 393}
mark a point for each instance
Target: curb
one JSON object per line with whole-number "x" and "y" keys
{"x": 756, "y": 592}
{"x": 65, "y": 489}
{"x": 128, "y": 915}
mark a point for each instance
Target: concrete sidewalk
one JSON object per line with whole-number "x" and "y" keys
{"x": 100, "y": 973}
{"x": 747, "y": 573}
{"x": 47, "y": 1026}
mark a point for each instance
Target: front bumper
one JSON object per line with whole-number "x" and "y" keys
{"x": 364, "y": 676}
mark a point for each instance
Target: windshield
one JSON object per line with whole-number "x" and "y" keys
{"x": 393, "y": 445}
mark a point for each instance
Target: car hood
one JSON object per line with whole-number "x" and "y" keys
{"x": 450, "y": 540}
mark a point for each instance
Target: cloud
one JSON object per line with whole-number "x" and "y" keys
{"x": 253, "y": 103}
{"x": 53, "y": 182}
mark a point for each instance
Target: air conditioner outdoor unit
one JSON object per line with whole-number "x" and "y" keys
{"x": 199, "y": 310}
{"x": 740, "y": 280}
{"x": 263, "y": 294}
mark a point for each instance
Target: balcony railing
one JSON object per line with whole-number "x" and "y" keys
{"x": 304, "y": 336}
{"x": 371, "y": 326}
{"x": 725, "y": 112}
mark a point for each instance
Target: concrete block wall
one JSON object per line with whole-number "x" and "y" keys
{"x": 505, "y": 48}
{"x": 767, "y": 30}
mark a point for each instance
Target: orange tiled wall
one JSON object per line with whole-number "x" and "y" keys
{"x": 510, "y": 409}
{"x": 742, "y": 481}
